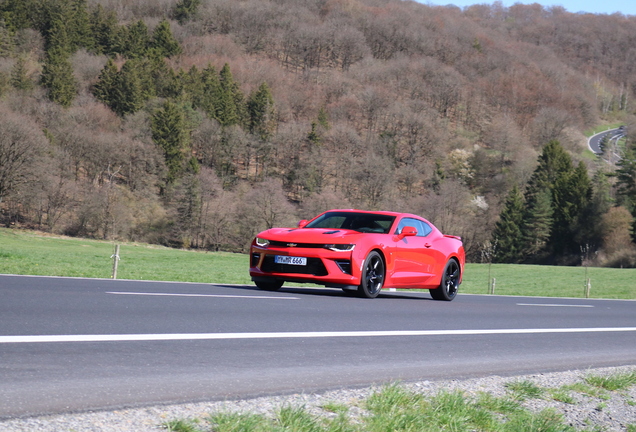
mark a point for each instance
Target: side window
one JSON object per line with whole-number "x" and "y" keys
{"x": 426, "y": 229}
{"x": 401, "y": 225}
{"x": 423, "y": 229}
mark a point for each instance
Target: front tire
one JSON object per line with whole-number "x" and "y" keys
{"x": 372, "y": 276}
{"x": 450, "y": 282}
{"x": 270, "y": 285}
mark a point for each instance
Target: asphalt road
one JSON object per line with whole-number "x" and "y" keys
{"x": 594, "y": 142}
{"x": 79, "y": 344}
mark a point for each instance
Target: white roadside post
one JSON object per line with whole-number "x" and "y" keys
{"x": 115, "y": 258}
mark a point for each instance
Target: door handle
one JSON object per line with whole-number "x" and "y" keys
{"x": 427, "y": 245}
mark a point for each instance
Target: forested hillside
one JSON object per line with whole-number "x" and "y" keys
{"x": 197, "y": 123}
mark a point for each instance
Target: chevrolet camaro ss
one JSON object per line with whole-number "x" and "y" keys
{"x": 362, "y": 252}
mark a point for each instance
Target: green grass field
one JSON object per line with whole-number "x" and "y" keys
{"x": 29, "y": 253}
{"x": 551, "y": 281}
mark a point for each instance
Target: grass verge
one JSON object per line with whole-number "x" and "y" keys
{"x": 30, "y": 253}
{"x": 397, "y": 408}
{"x": 550, "y": 281}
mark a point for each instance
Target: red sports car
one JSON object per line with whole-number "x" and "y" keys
{"x": 360, "y": 251}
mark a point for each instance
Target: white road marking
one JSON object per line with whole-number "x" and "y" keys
{"x": 201, "y": 295}
{"x": 295, "y": 335}
{"x": 554, "y": 305}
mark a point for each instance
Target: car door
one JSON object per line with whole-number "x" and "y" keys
{"x": 413, "y": 259}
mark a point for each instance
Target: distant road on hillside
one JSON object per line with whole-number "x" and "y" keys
{"x": 594, "y": 142}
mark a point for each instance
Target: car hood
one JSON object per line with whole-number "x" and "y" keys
{"x": 311, "y": 235}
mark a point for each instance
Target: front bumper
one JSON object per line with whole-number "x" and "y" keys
{"x": 323, "y": 267}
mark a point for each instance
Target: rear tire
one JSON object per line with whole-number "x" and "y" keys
{"x": 450, "y": 282}
{"x": 372, "y": 276}
{"x": 270, "y": 285}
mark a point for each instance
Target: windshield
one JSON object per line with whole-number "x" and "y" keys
{"x": 361, "y": 222}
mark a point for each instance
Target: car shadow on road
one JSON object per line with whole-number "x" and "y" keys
{"x": 334, "y": 292}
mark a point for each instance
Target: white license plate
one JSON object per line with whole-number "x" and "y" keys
{"x": 280, "y": 259}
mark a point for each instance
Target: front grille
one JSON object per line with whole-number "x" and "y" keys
{"x": 314, "y": 267}
{"x": 345, "y": 266}
{"x": 280, "y": 244}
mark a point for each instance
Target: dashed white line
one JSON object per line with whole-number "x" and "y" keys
{"x": 294, "y": 335}
{"x": 554, "y": 305}
{"x": 200, "y": 295}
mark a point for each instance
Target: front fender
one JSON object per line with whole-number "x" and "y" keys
{"x": 360, "y": 254}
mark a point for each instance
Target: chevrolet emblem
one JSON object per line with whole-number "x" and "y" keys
{"x": 292, "y": 244}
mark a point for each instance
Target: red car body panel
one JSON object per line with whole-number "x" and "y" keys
{"x": 411, "y": 261}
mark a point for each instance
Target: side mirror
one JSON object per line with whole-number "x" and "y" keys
{"x": 408, "y": 231}
{"x": 302, "y": 223}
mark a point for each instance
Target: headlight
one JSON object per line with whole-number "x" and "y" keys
{"x": 262, "y": 242}
{"x": 340, "y": 247}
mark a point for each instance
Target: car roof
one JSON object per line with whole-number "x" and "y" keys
{"x": 380, "y": 212}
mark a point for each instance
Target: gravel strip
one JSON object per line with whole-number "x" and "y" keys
{"x": 614, "y": 413}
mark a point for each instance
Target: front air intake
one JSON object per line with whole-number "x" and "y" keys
{"x": 345, "y": 266}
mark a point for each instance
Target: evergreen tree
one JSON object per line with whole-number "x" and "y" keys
{"x": 188, "y": 205}
{"x": 169, "y": 132}
{"x": 229, "y": 110}
{"x": 58, "y": 78}
{"x": 507, "y": 234}
{"x": 127, "y": 90}
{"x": 537, "y": 225}
{"x": 163, "y": 78}
{"x": 179, "y": 86}
{"x": 323, "y": 119}
{"x": 193, "y": 87}
{"x": 603, "y": 144}
{"x": 438, "y": 176}
{"x": 211, "y": 92}
{"x": 20, "y": 14}
{"x": 192, "y": 120}
{"x": 626, "y": 181}
{"x": 555, "y": 166}
{"x": 80, "y": 26}
{"x": 571, "y": 195}
{"x": 146, "y": 72}
{"x": 163, "y": 43}
{"x": 133, "y": 40}
{"x": 20, "y": 79}
{"x": 184, "y": 10}
{"x": 599, "y": 204}
{"x": 7, "y": 41}
{"x": 554, "y": 162}
{"x": 260, "y": 108}
{"x": 313, "y": 136}
{"x": 128, "y": 96}
{"x": 106, "y": 85}
{"x": 4, "y": 83}
{"x": 55, "y": 34}
{"x": 65, "y": 25}
{"x": 104, "y": 27}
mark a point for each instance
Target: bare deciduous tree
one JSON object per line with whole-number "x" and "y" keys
{"x": 21, "y": 143}
{"x": 455, "y": 211}
{"x": 265, "y": 206}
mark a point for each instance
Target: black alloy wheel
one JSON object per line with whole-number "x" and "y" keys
{"x": 450, "y": 282}
{"x": 372, "y": 276}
